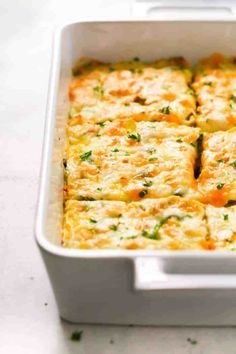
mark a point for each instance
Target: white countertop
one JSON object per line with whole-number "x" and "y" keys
{"x": 29, "y": 322}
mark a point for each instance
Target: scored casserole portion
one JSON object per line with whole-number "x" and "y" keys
{"x": 158, "y": 91}
{"x": 169, "y": 223}
{"x": 217, "y": 181}
{"x": 128, "y": 160}
{"x": 215, "y": 87}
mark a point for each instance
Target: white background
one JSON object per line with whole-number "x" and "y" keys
{"x": 29, "y": 323}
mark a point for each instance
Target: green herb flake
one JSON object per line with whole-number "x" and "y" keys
{"x": 220, "y": 161}
{"x": 226, "y": 217}
{"x": 136, "y": 59}
{"x": 166, "y": 110}
{"x": 233, "y": 164}
{"x": 134, "y": 136}
{"x": 81, "y": 197}
{"x": 207, "y": 83}
{"x": 86, "y": 155}
{"x": 192, "y": 341}
{"x": 99, "y": 189}
{"x": 233, "y": 98}
{"x": 76, "y": 336}
{"x": 220, "y": 186}
{"x": 98, "y": 89}
{"x": 101, "y": 124}
{"x": 143, "y": 193}
{"x": 152, "y": 159}
{"x": 114, "y": 227}
{"x": 191, "y": 92}
{"x": 115, "y": 150}
{"x": 126, "y": 104}
{"x": 147, "y": 183}
{"x": 179, "y": 140}
{"x": 111, "y": 68}
{"x": 93, "y": 221}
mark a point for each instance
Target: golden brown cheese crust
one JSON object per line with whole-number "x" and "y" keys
{"x": 152, "y": 224}
{"x": 215, "y": 86}
{"x": 217, "y": 180}
{"x": 128, "y": 160}
{"x": 158, "y": 91}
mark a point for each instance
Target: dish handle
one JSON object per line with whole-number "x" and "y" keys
{"x": 149, "y": 275}
{"x": 176, "y": 9}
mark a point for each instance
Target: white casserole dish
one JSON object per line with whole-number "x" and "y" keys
{"x": 129, "y": 287}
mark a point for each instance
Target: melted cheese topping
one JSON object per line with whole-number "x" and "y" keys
{"x": 215, "y": 86}
{"x": 217, "y": 180}
{"x": 170, "y": 223}
{"x": 157, "y": 91}
{"x": 132, "y": 158}
{"x": 128, "y": 160}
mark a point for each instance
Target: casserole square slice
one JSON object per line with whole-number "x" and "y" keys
{"x": 169, "y": 223}
{"x": 222, "y": 227}
{"x": 215, "y": 87}
{"x": 217, "y": 181}
{"x": 157, "y": 91}
{"x": 128, "y": 160}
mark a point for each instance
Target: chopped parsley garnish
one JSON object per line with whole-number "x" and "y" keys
{"x": 99, "y": 189}
{"x": 233, "y": 98}
{"x": 76, "y": 336}
{"x": 153, "y": 235}
{"x": 152, "y": 159}
{"x": 166, "y": 110}
{"x": 135, "y": 136}
{"x": 147, "y": 183}
{"x": 136, "y": 59}
{"x": 131, "y": 237}
{"x": 207, "y": 83}
{"x": 81, "y": 197}
{"x": 179, "y": 140}
{"x": 86, "y": 155}
{"x": 220, "y": 161}
{"x": 114, "y": 227}
{"x": 192, "y": 341}
{"x": 226, "y": 217}
{"x": 101, "y": 124}
{"x": 220, "y": 185}
{"x": 111, "y": 68}
{"x": 126, "y": 104}
{"x": 191, "y": 92}
{"x": 98, "y": 89}
{"x": 233, "y": 164}
{"x": 93, "y": 221}
{"x": 115, "y": 150}
{"x": 143, "y": 193}
{"x": 151, "y": 151}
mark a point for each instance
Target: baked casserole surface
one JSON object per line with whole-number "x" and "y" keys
{"x": 150, "y": 158}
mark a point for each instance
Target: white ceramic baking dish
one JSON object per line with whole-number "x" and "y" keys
{"x": 129, "y": 287}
